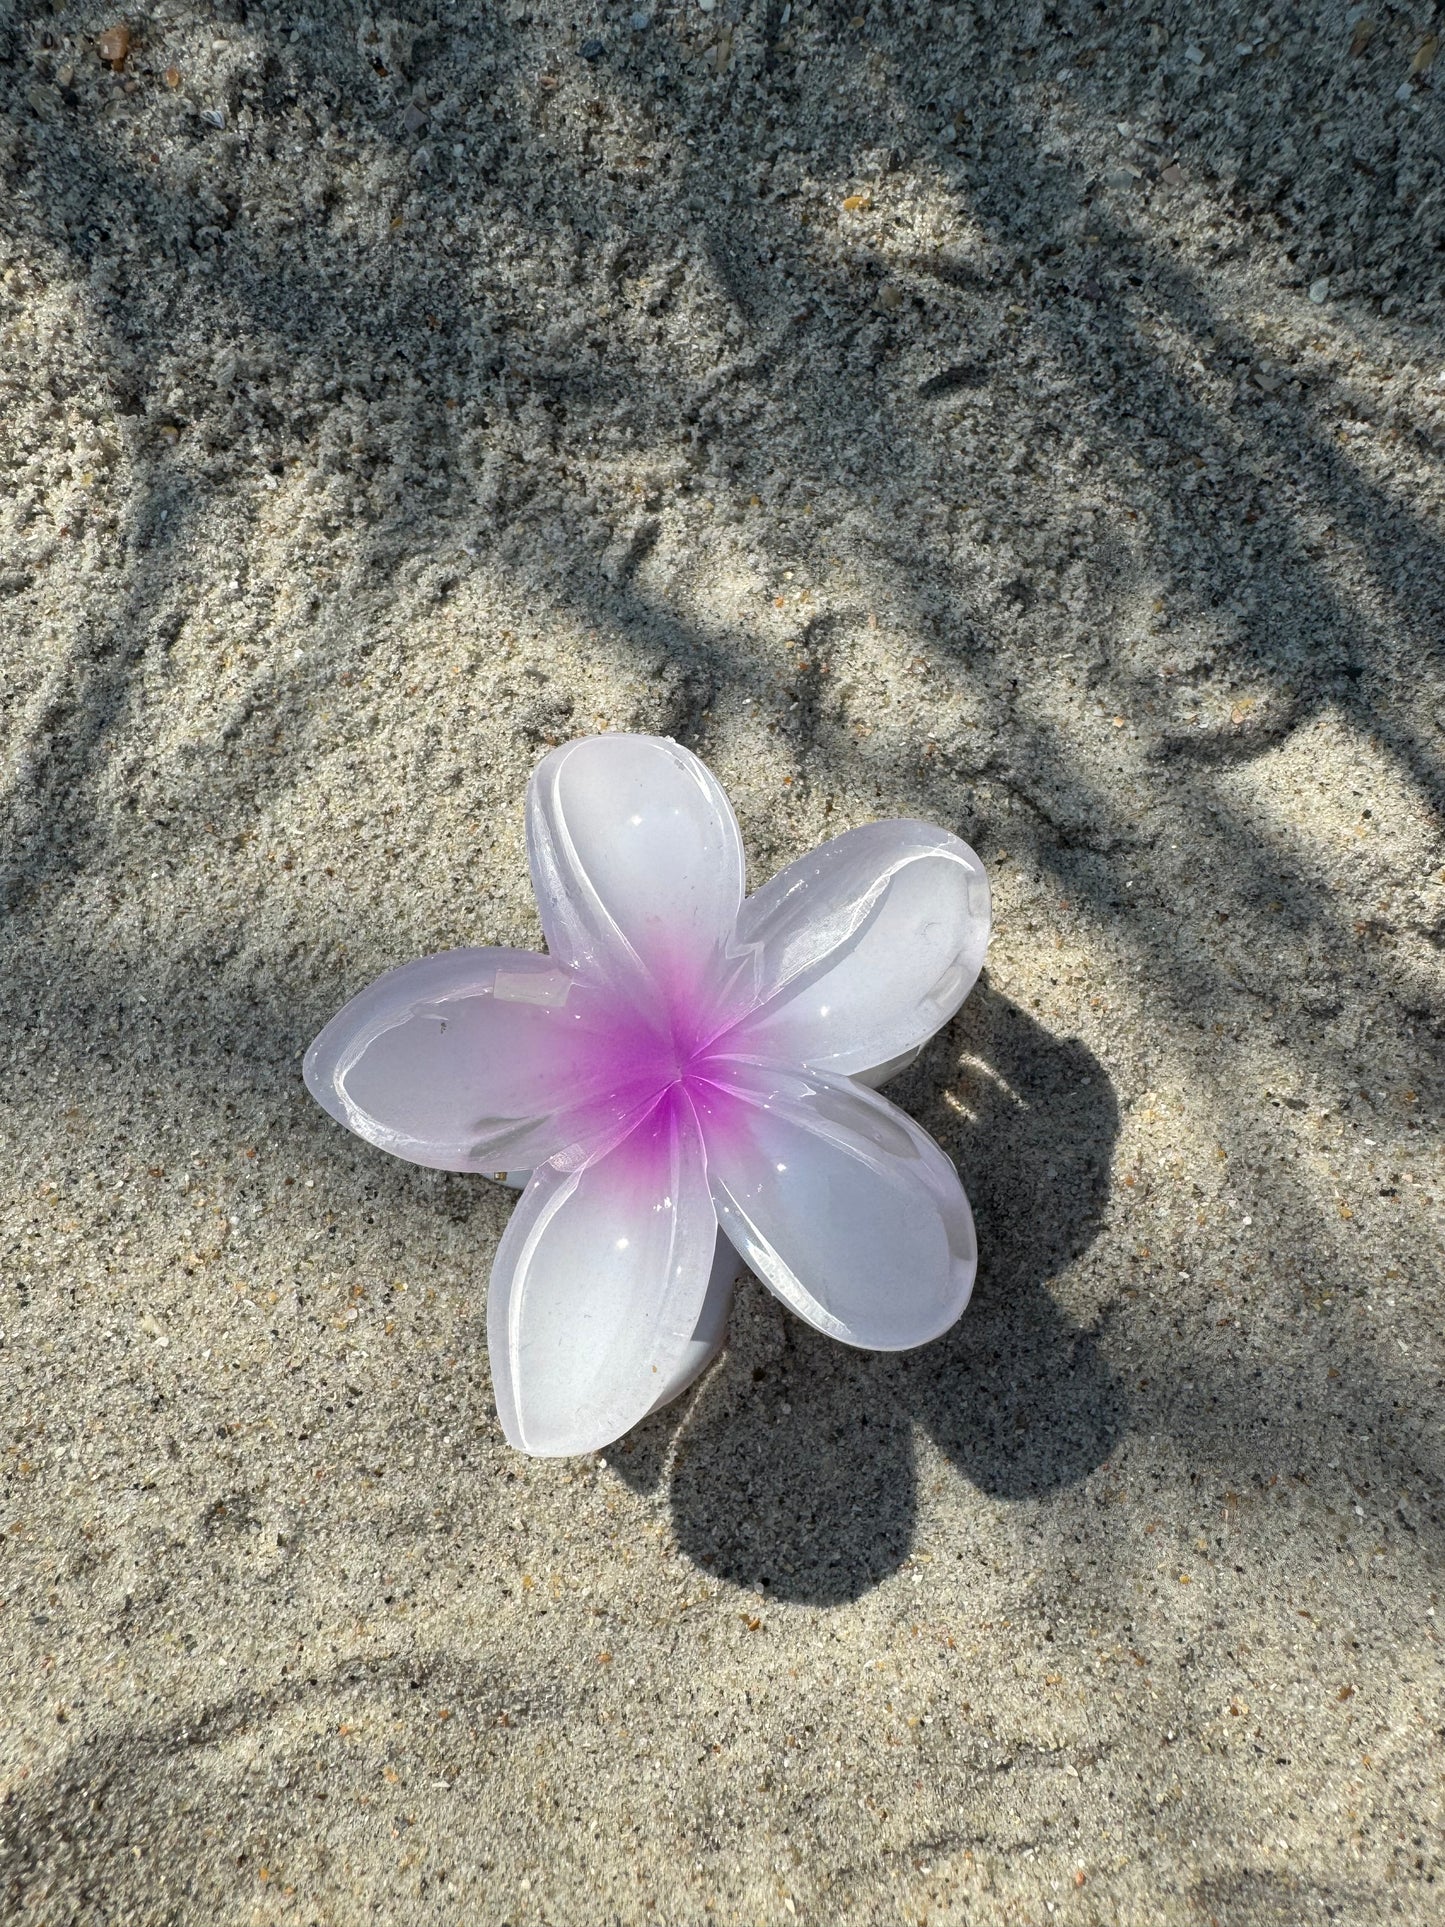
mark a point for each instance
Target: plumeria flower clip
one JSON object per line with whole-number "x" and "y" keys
{"x": 686, "y": 1077}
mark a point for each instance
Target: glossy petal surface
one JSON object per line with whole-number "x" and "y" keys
{"x": 712, "y": 1323}
{"x": 682, "y": 1076}
{"x": 865, "y": 946}
{"x": 635, "y": 855}
{"x": 472, "y": 1060}
{"x": 599, "y": 1285}
{"x": 840, "y": 1203}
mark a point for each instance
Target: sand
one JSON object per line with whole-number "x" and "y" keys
{"x": 1029, "y": 418}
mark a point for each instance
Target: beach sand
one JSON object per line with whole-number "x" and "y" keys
{"x": 1026, "y": 418}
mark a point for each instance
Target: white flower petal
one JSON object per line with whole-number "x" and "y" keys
{"x": 840, "y": 1203}
{"x": 473, "y": 1060}
{"x": 635, "y": 854}
{"x": 865, "y": 946}
{"x": 712, "y": 1323}
{"x": 599, "y": 1285}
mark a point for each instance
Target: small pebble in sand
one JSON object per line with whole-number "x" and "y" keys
{"x": 113, "y": 46}
{"x": 1320, "y": 291}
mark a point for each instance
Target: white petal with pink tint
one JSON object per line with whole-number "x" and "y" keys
{"x": 635, "y": 854}
{"x": 684, "y": 1073}
{"x": 471, "y": 1060}
{"x": 712, "y": 1323}
{"x": 865, "y": 946}
{"x": 599, "y": 1285}
{"x": 840, "y": 1203}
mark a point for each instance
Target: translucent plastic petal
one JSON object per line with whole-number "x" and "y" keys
{"x": 635, "y": 855}
{"x": 712, "y": 1323}
{"x": 865, "y": 947}
{"x": 599, "y": 1285}
{"x": 473, "y": 1060}
{"x": 840, "y": 1203}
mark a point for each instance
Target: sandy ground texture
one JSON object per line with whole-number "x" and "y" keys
{"x": 1027, "y": 417}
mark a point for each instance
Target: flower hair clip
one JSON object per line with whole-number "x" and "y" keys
{"x": 684, "y": 1079}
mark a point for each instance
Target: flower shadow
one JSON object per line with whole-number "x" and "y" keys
{"x": 794, "y": 1467}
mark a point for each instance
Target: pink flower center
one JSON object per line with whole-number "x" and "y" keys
{"x": 660, "y": 1061}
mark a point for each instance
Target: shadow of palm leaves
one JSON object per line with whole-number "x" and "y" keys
{"x": 293, "y": 301}
{"x": 102, "y": 1832}
{"x": 862, "y": 390}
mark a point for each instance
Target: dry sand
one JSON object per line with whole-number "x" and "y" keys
{"x": 1030, "y": 418}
